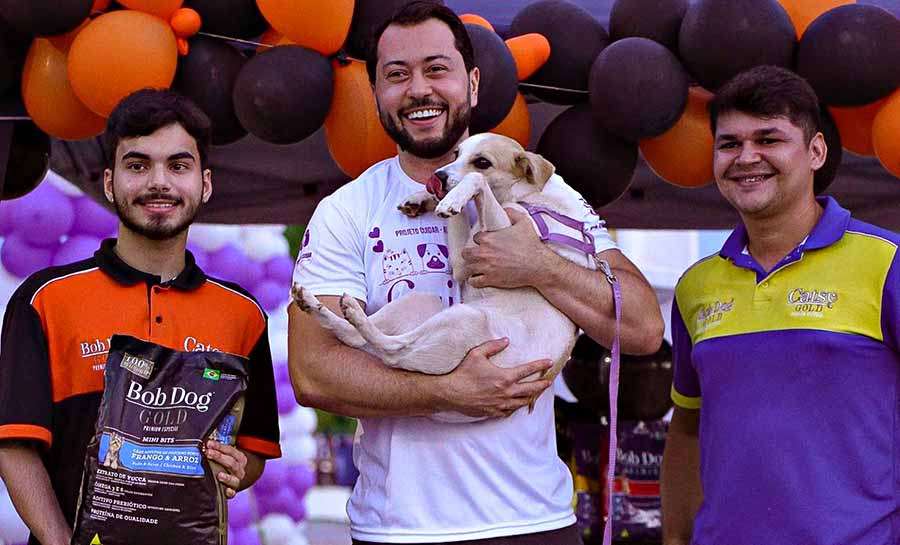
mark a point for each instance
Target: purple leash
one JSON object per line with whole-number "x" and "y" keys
{"x": 613, "y": 397}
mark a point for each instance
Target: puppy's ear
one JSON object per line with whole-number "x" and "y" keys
{"x": 535, "y": 168}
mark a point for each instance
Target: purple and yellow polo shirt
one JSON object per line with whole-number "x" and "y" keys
{"x": 796, "y": 373}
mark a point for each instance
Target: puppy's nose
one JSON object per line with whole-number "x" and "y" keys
{"x": 442, "y": 176}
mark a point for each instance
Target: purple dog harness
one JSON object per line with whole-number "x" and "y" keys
{"x": 586, "y": 245}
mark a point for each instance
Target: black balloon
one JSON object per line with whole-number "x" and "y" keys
{"x": 826, "y": 174}
{"x": 368, "y": 16}
{"x": 849, "y": 55}
{"x": 499, "y": 79}
{"x": 597, "y": 164}
{"x": 657, "y": 20}
{"x": 233, "y": 18}
{"x": 45, "y": 17}
{"x": 720, "y": 38}
{"x": 28, "y": 150}
{"x": 575, "y": 37}
{"x": 644, "y": 381}
{"x": 207, "y": 75}
{"x": 283, "y": 95}
{"x": 638, "y": 89}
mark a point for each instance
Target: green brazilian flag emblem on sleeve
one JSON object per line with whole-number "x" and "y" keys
{"x": 211, "y": 374}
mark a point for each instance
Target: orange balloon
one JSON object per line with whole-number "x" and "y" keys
{"x": 49, "y": 98}
{"x": 804, "y": 12}
{"x": 119, "y": 53}
{"x": 855, "y": 126}
{"x": 308, "y": 23}
{"x": 185, "y": 22}
{"x": 99, "y": 6}
{"x": 160, "y": 8}
{"x": 272, "y": 38}
{"x": 474, "y": 19}
{"x": 64, "y": 41}
{"x": 683, "y": 155}
{"x": 353, "y": 131}
{"x": 885, "y": 129}
{"x": 530, "y": 52}
{"x": 517, "y": 123}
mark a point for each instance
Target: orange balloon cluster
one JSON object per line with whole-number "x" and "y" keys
{"x": 353, "y": 132}
{"x": 885, "y": 128}
{"x": 855, "y": 126}
{"x": 49, "y": 98}
{"x": 119, "y": 53}
{"x": 161, "y": 8}
{"x": 804, "y": 12}
{"x": 683, "y": 155}
{"x": 517, "y": 123}
{"x": 308, "y": 23}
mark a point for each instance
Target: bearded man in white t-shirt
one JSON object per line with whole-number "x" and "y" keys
{"x": 423, "y": 480}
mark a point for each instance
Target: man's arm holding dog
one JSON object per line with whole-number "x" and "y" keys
{"x": 515, "y": 257}
{"x": 31, "y": 492}
{"x": 330, "y": 375}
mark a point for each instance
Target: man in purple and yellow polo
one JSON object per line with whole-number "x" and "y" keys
{"x": 787, "y": 347}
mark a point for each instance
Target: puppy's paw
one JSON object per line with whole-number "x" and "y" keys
{"x": 305, "y": 299}
{"x": 352, "y": 311}
{"x": 449, "y": 206}
{"x": 417, "y": 204}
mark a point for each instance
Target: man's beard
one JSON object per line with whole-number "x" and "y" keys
{"x": 155, "y": 230}
{"x": 430, "y": 148}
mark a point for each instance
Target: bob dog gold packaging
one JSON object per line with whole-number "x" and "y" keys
{"x": 146, "y": 477}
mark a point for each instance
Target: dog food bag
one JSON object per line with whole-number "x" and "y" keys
{"x": 146, "y": 478}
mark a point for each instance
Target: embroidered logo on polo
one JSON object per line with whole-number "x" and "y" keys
{"x": 812, "y": 303}
{"x": 711, "y": 315}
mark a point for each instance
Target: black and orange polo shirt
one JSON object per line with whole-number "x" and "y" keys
{"x": 55, "y": 340}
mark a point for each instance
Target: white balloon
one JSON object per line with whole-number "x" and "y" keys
{"x": 298, "y": 449}
{"x": 278, "y": 344}
{"x": 8, "y": 285}
{"x": 63, "y": 185}
{"x": 299, "y": 537}
{"x": 12, "y": 529}
{"x": 263, "y": 244}
{"x": 277, "y": 529}
{"x": 212, "y": 237}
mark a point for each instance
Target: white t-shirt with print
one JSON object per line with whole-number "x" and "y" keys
{"x": 423, "y": 480}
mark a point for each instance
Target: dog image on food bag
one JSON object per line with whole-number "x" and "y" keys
{"x": 416, "y": 332}
{"x": 146, "y": 478}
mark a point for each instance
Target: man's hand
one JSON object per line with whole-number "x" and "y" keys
{"x": 477, "y": 387}
{"x": 233, "y": 460}
{"x": 507, "y": 258}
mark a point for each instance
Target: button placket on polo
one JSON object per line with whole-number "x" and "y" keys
{"x": 158, "y": 318}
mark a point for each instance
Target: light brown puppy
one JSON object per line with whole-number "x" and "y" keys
{"x": 416, "y": 332}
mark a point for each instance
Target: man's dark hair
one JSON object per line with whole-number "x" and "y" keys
{"x": 418, "y": 12}
{"x": 767, "y": 92}
{"x": 144, "y": 112}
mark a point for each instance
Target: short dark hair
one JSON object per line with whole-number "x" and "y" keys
{"x": 769, "y": 91}
{"x": 144, "y": 112}
{"x": 418, "y": 12}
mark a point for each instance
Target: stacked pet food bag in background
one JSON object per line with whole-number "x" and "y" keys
{"x": 56, "y": 224}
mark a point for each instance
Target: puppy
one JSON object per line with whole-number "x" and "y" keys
{"x": 416, "y": 332}
{"x": 112, "y": 454}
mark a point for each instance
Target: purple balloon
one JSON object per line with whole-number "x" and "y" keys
{"x": 43, "y": 216}
{"x": 282, "y": 372}
{"x": 280, "y": 269}
{"x": 283, "y": 500}
{"x": 273, "y": 478}
{"x": 21, "y": 259}
{"x": 240, "y": 510}
{"x": 301, "y": 478}
{"x": 284, "y": 392}
{"x": 201, "y": 258}
{"x": 92, "y": 219}
{"x": 247, "y": 535}
{"x": 230, "y": 263}
{"x": 270, "y": 294}
{"x": 75, "y": 249}
{"x": 7, "y": 217}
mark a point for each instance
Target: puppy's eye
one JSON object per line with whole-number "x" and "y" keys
{"x": 481, "y": 163}
{"x": 455, "y": 154}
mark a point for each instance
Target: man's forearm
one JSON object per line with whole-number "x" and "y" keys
{"x": 31, "y": 493}
{"x": 681, "y": 490}
{"x": 585, "y": 296}
{"x": 329, "y": 375}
